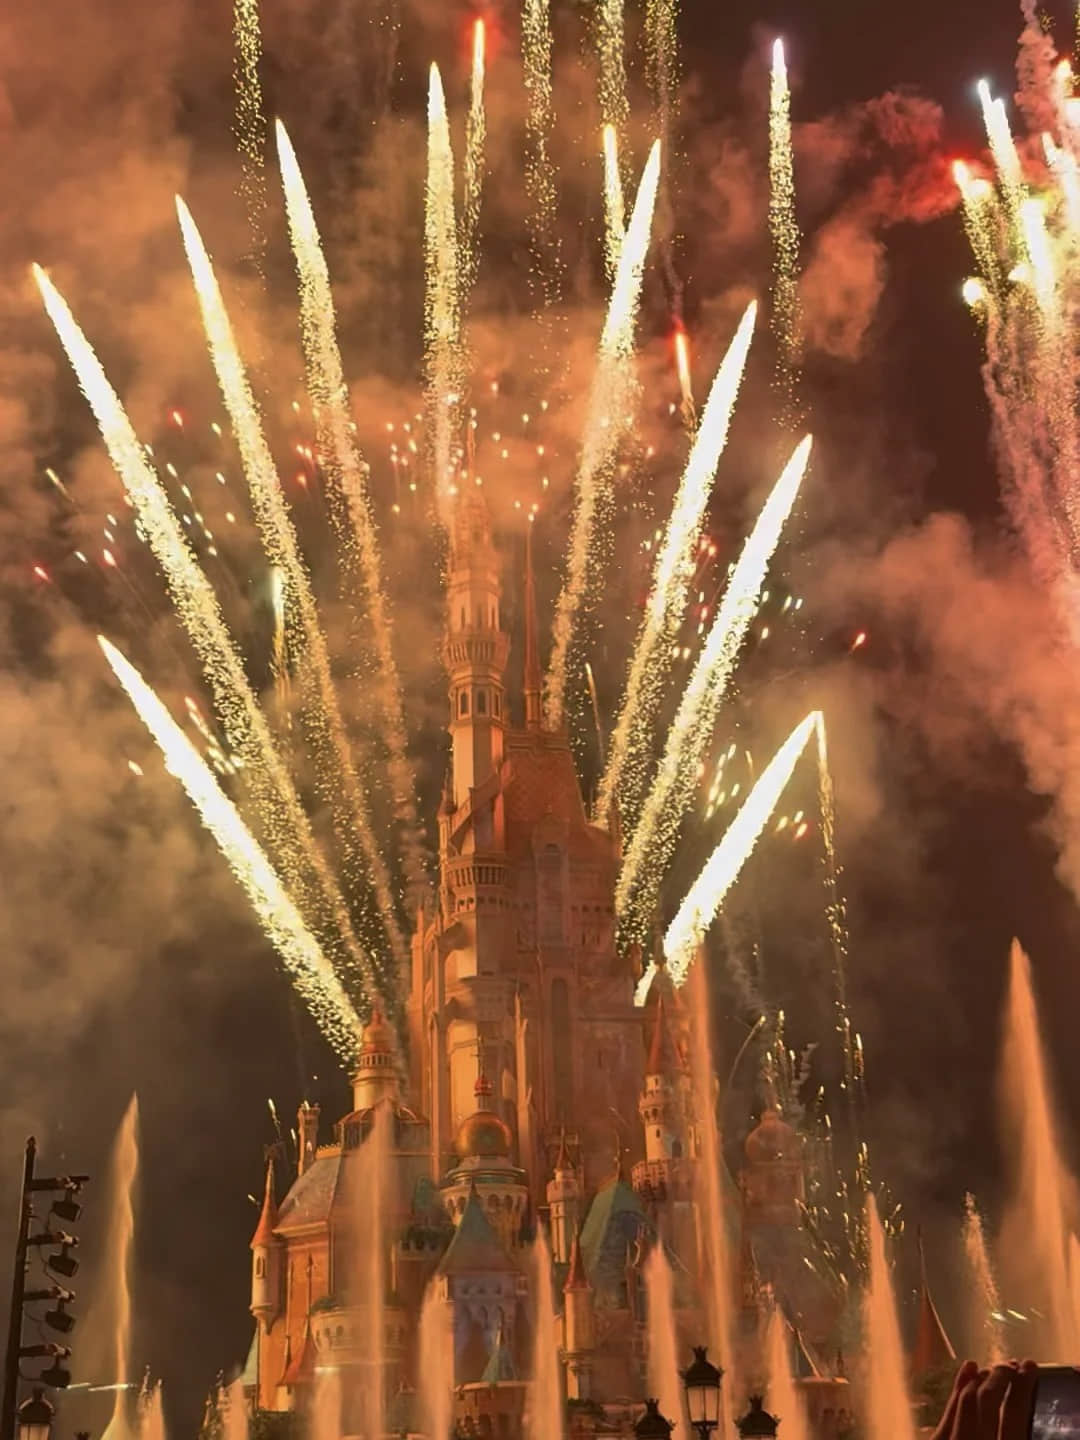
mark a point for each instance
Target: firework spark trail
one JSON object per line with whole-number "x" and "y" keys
{"x": 539, "y": 168}
{"x": 722, "y": 869}
{"x": 340, "y": 784}
{"x": 246, "y": 732}
{"x": 836, "y": 915}
{"x": 312, "y": 973}
{"x": 610, "y": 404}
{"x": 686, "y": 386}
{"x": 611, "y": 46}
{"x": 442, "y": 301}
{"x": 279, "y": 657}
{"x": 614, "y": 204}
{"x": 1041, "y": 257}
{"x": 784, "y": 229}
{"x": 475, "y": 137}
{"x": 626, "y": 775}
{"x": 653, "y": 841}
{"x": 347, "y": 473}
{"x": 249, "y": 122}
{"x": 1003, "y": 149}
{"x": 980, "y": 221}
{"x": 661, "y": 55}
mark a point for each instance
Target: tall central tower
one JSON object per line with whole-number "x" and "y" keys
{"x": 475, "y": 651}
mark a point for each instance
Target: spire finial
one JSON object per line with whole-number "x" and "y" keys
{"x": 533, "y": 684}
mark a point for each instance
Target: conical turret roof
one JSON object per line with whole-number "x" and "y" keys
{"x": 264, "y": 1231}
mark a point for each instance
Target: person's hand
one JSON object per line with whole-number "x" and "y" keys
{"x": 990, "y": 1404}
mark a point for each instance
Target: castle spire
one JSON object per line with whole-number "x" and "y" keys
{"x": 533, "y": 712}
{"x": 264, "y": 1231}
{"x": 933, "y": 1349}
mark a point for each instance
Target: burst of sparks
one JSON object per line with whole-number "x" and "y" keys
{"x": 723, "y": 867}
{"x": 609, "y": 403}
{"x": 280, "y": 813}
{"x": 654, "y": 838}
{"x": 539, "y": 168}
{"x": 673, "y": 571}
{"x": 249, "y": 120}
{"x": 312, "y": 973}
{"x": 283, "y": 551}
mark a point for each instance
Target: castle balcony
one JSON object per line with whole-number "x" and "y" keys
{"x": 659, "y": 1180}
{"x": 467, "y": 648}
{"x": 477, "y": 872}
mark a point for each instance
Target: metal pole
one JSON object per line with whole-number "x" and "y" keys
{"x": 18, "y": 1287}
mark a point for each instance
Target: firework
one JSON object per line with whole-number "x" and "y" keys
{"x": 277, "y": 805}
{"x": 350, "y": 507}
{"x": 783, "y": 228}
{"x": 672, "y": 573}
{"x": 249, "y": 121}
{"x": 442, "y": 313}
{"x": 339, "y": 779}
{"x": 475, "y": 135}
{"x": 610, "y": 402}
{"x": 686, "y": 387}
{"x": 1040, "y": 256}
{"x": 614, "y": 204}
{"x": 312, "y": 973}
{"x": 539, "y": 169}
{"x": 836, "y": 916}
{"x": 610, "y": 45}
{"x": 1003, "y": 149}
{"x": 722, "y": 869}
{"x": 661, "y": 55}
{"x": 980, "y": 220}
{"x": 653, "y": 840}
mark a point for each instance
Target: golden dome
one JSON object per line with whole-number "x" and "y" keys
{"x": 483, "y": 1134}
{"x": 772, "y": 1139}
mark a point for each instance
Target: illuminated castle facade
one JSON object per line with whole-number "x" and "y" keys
{"x": 535, "y": 1098}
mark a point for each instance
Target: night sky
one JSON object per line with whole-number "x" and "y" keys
{"x": 131, "y": 961}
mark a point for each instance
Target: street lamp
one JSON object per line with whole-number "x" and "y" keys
{"x": 652, "y": 1425}
{"x": 757, "y": 1423}
{"x": 702, "y": 1382}
{"x": 35, "y": 1417}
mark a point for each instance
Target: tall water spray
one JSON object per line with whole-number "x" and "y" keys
{"x": 784, "y": 1399}
{"x": 1044, "y": 1193}
{"x": 889, "y": 1415}
{"x": 720, "y": 1295}
{"x": 326, "y": 1406}
{"x": 234, "y": 1419}
{"x": 370, "y": 1205}
{"x": 664, "y": 1381}
{"x": 151, "y": 1414}
{"x": 545, "y": 1421}
{"x": 123, "y": 1174}
{"x": 987, "y": 1340}
{"x": 436, "y": 1378}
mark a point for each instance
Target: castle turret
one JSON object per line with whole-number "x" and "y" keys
{"x": 476, "y": 649}
{"x": 266, "y": 1255}
{"x": 773, "y": 1181}
{"x": 564, "y": 1202}
{"x": 662, "y": 1178}
{"x": 376, "y": 1075}
{"x": 579, "y": 1328}
{"x": 307, "y": 1135}
{"x": 484, "y": 1169}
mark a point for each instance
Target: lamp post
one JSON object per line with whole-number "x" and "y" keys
{"x": 702, "y": 1382}
{"x": 652, "y": 1425}
{"x": 35, "y": 1417}
{"x": 757, "y": 1423}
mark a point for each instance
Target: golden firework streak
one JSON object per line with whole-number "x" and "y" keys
{"x": 705, "y": 897}
{"x": 312, "y": 973}
{"x": 672, "y": 573}
{"x": 278, "y": 535}
{"x": 475, "y": 136}
{"x": 442, "y": 301}
{"x": 249, "y": 121}
{"x": 614, "y": 204}
{"x": 278, "y": 807}
{"x": 654, "y": 839}
{"x": 348, "y": 471}
{"x": 539, "y": 119}
{"x": 609, "y": 404}
{"x": 784, "y": 229}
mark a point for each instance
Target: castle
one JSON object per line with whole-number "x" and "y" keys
{"x": 531, "y": 1081}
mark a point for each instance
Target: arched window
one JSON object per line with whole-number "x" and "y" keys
{"x": 481, "y": 702}
{"x": 463, "y": 703}
{"x": 260, "y": 1267}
